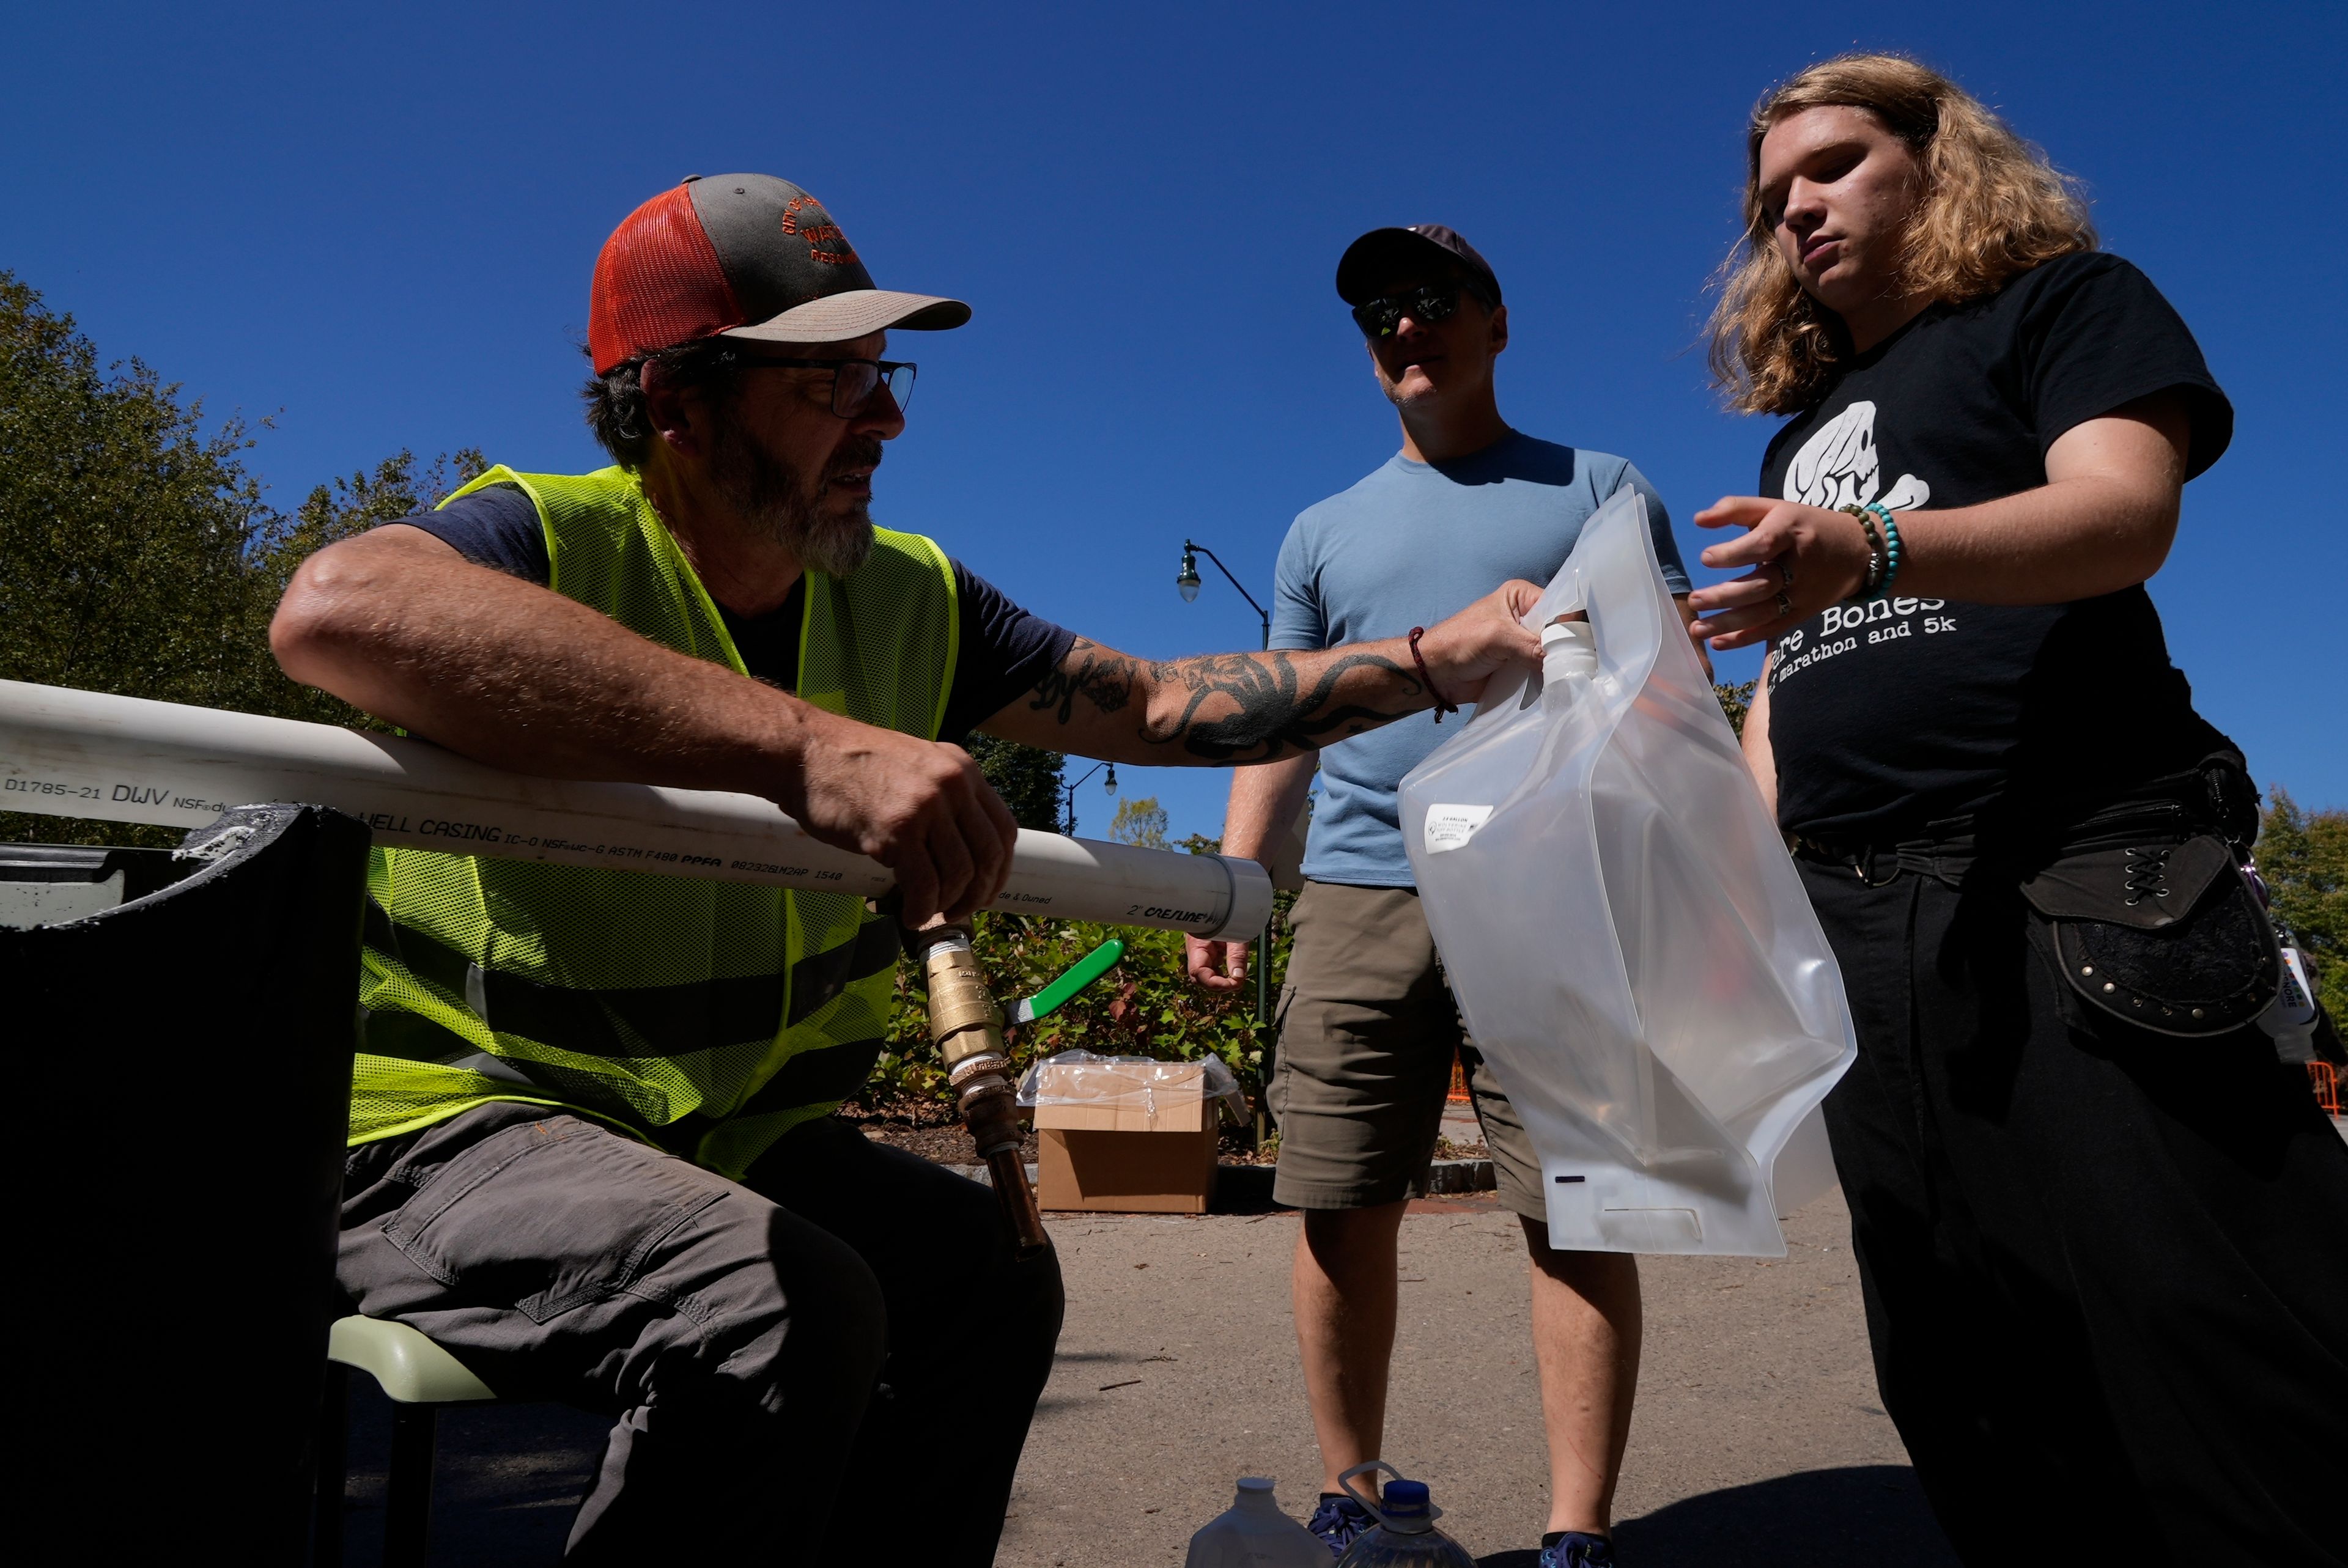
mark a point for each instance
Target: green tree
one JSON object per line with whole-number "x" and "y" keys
{"x": 1736, "y": 702}
{"x": 2303, "y": 856}
{"x": 137, "y": 554}
{"x": 1027, "y": 778}
{"x": 1140, "y": 823}
{"x": 124, "y": 525}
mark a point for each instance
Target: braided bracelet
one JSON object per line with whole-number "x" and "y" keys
{"x": 1442, "y": 704}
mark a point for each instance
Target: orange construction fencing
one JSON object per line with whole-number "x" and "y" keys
{"x": 1459, "y": 1095}
{"x": 2325, "y": 1080}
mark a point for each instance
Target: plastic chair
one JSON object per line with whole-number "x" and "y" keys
{"x": 419, "y": 1378}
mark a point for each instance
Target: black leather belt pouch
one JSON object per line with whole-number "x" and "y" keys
{"x": 2167, "y": 936}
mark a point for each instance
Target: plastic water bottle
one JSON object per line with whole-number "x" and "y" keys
{"x": 1405, "y": 1535}
{"x": 1253, "y": 1534}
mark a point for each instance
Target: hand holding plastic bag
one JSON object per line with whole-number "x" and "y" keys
{"x": 1631, "y": 947}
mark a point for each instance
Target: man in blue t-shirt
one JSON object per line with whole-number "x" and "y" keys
{"x": 1368, "y": 1029}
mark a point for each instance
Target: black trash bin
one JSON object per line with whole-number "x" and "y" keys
{"x": 182, "y": 1046}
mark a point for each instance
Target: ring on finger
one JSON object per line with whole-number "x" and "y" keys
{"x": 1785, "y": 570}
{"x": 1784, "y": 606}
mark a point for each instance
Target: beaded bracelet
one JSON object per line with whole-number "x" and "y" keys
{"x": 1876, "y": 557}
{"x": 1892, "y": 550}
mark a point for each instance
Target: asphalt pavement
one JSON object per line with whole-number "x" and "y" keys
{"x": 1759, "y": 1439}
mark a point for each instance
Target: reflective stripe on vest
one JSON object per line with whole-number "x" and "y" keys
{"x": 710, "y": 1017}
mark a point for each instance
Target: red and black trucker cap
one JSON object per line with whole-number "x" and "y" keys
{"x": 1373, "y": 258}
{"x": 745, "y": 255}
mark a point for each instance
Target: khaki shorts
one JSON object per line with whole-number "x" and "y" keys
{"x": 1368, "y": 1031}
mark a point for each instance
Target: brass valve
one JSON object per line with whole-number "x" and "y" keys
{"x": 964, "y": 1019}
{"x": 967, "y": 1028}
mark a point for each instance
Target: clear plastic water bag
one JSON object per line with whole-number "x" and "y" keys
{"x": 1630, "y": 944}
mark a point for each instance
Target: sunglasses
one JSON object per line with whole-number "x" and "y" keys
{"x": 853, "y": 381}
{"x": 1426, "y": 305}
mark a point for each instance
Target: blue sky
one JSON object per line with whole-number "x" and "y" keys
{"x": 380, "y": 231}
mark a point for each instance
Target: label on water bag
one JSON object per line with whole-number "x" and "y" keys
{"x": 1449, "y": 826}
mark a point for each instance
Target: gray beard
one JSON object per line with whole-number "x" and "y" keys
{"x": 772, "y": 497}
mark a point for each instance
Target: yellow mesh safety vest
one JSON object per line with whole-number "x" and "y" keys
{"x": 709, "y": 1017}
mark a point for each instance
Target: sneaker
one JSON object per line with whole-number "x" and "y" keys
{"x": 1576, "y": 1550}
{"x": 1338, "y": 1521}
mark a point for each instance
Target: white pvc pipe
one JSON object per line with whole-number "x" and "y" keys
{"x": 124, "y": 759}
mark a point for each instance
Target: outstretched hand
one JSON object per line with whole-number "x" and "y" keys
{"x": 1803, "y": 559}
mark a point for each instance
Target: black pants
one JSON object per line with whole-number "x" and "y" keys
{"x": 2105, "y": 1270}
{"x": 835, "y": 1360}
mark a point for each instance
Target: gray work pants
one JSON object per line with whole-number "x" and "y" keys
{"x": 835, "y": 1359}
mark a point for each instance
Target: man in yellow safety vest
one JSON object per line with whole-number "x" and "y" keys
{"x": 593, "y": 1147}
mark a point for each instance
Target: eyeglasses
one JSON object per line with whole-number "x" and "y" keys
{"x": 1426, "y": 305}
{"x": 853, "y": 381}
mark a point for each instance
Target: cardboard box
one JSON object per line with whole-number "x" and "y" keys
{"x": 1125, "y": 1139}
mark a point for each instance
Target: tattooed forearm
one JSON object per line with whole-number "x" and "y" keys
{"x": 1234, "y": 707}
{"x": 1100, "y": 675}
{"x": 1271, "y": 712}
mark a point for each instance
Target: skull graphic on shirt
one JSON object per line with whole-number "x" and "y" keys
{"x": 1837, "y": 466}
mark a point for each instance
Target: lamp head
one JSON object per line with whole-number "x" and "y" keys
{"x": 1109, "y": 781}
{"x": 1189, "y": 582}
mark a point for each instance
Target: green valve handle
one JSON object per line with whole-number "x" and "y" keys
{"x": 1084, "y": 972}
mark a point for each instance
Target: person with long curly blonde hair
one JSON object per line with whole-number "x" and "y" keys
{"x": 1995, "y": 208}
{"x": 2102, "y": 1229}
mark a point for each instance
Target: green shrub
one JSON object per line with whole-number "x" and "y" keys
{"x": 1145, "y": 1006}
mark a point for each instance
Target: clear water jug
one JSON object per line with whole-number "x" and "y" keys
{"x": 1253, "y": 1534}
{"x": 1405, "y": 1535}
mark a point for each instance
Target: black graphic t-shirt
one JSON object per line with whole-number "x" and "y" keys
{"x": 1889, "y": 716}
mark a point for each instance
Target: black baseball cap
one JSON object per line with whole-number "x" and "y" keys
{"x": 743, "y": 255}
{"x": 1370, "y": 258}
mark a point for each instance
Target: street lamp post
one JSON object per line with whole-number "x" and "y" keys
{"x": 1109, "y": 784}
{"x": 1187, "y": 584}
